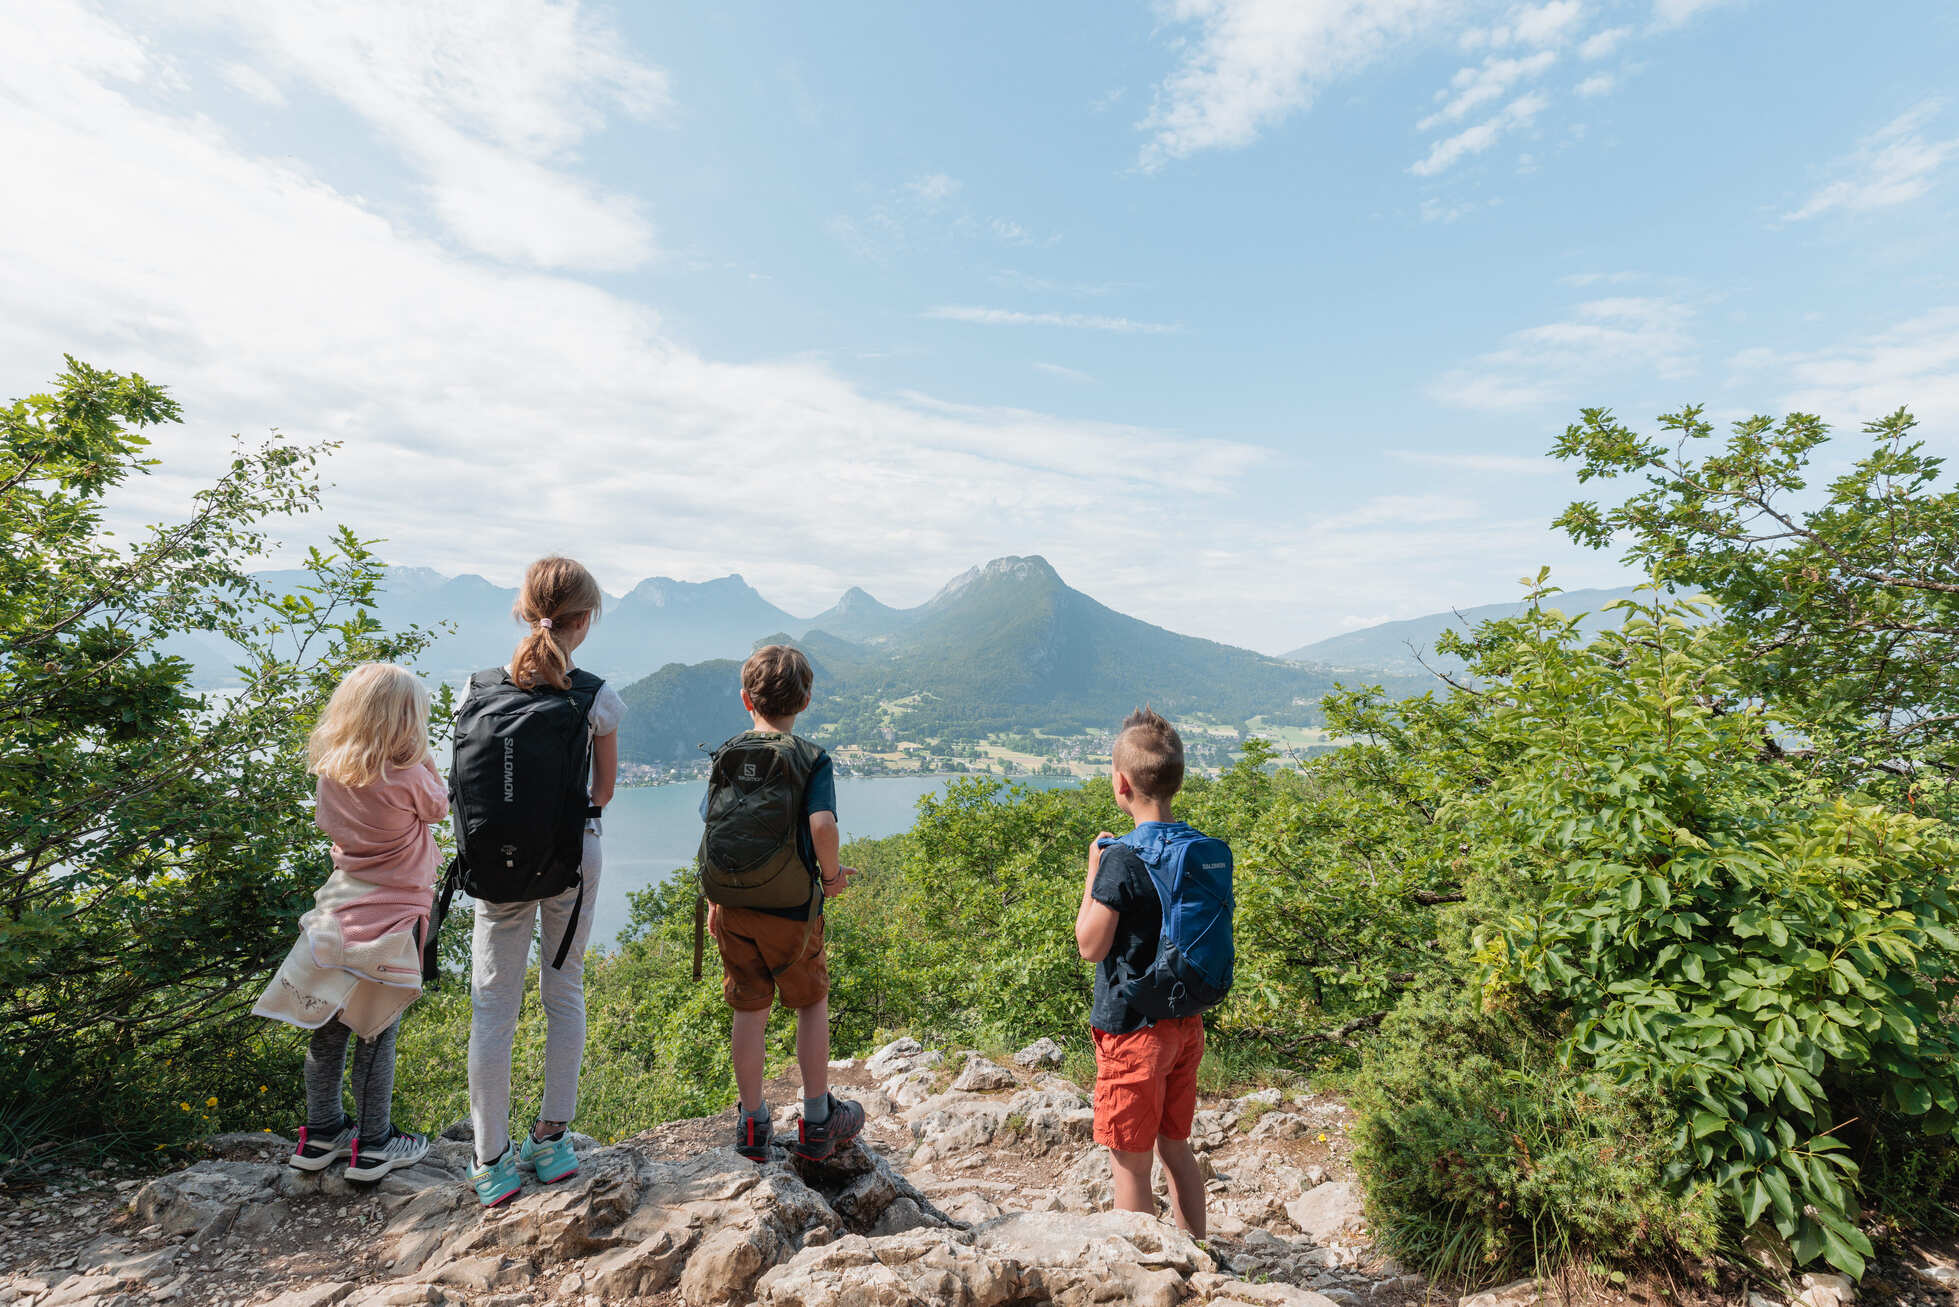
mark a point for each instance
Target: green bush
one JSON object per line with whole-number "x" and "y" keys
{"x": 1487, "y": 1157}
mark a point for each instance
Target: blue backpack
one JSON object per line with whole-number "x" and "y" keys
{"x": 1192, "y": 875}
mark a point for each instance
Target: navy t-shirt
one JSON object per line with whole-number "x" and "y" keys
{"x": 819, "y": 796}
{"x": 1122, "y": 883}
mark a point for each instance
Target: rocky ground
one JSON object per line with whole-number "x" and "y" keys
{"x": 976, "y": 1186}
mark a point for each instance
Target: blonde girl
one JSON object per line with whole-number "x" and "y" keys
{"x": 557, "y": 604}
{"x": 357, "y": 964}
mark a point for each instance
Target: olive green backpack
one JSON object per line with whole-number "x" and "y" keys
{"x": 750, "y": 855}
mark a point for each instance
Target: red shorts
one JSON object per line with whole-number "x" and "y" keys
{"x": 1146, "y": 1083}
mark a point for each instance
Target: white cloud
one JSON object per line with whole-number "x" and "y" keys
{"x": 1482, "y": 464}
{"x": 1541, "y": 25}
{"x": 1673, "y": 13}
{"x": 488, "y": 412}
{"x": 1065, "y": 373}
{"x": 1474, "y": 87}
{"x": 253, "y": 84}
{"x": 1595, "y": 85}
{"x": 1446, "y": 153}
{"x": 1435, "y": 209}
{"x": 488, "y": 102}
{"x": 1892, "y": 165}
{"x": 933, "y": 189}
{"x": 1914, "y": 365}
{"x": 1601, "y": 44}
{"x": 1602, "y": 340}
{"x": 1015, "y": 318}
{"x": 1253, "y": 63}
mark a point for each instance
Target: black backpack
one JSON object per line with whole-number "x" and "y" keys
{"x": 750, "y": 855}
{"x": 519, "y": 794}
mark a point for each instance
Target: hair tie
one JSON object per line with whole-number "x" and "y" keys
{"x": 544, "y": 622}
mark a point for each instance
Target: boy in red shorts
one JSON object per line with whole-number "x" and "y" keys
{"x": 1145, "y": 1070}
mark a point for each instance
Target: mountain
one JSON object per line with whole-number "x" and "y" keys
{"x": 857, "y": 616}
{"x": 662, "y": 621}
{"x": 1005, "y": 648}
{"x": 1395, "y": 646}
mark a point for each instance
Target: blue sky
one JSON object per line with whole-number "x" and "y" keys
{"x": 1254, "y": 316}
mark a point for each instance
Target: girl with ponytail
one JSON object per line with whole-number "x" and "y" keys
{"x": 557, "y": 605}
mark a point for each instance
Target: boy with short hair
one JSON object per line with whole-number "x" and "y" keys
{"x": 1145, "y": 1069}
{"x": 771, "y": 950}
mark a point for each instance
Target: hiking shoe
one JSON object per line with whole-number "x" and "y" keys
{"x": 498, "y": 1181}
{"x": 316, "y": 1152}
{"x": 551, "y": 1159}
{"x": 398, "y": 1152}
{"x": 752, "y": 1135}
{"x": 840, "y": 1130}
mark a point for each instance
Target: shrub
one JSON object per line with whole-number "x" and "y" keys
{"x": 1485, "y": 1156}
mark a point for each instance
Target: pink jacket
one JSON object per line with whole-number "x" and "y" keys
{"x": 381, "y": 837}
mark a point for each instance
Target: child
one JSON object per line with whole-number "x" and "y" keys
{"x": 766, "y": 950}
{"x": 1146, "y": 1060}
{"x": 357, "y": 964}
{"x": 558, "y": 602}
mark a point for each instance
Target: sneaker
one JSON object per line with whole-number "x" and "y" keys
{"x": 551, "y": 1159}
{"x": 840, "y": 1130}
{"x": 400, "y": 1151}
{"x": 318, "y": 1152}
{"x": 498, "y": 1181}
{"x": 752, "y": 1135}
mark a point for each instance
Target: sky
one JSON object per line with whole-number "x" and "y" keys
{"x": 1256, "y": 318}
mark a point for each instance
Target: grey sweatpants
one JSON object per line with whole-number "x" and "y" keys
{"x": 374, "y": 1082}
{"x": 499, "y": 956}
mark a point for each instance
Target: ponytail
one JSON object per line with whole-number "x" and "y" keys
{"x": 557, "y": 593}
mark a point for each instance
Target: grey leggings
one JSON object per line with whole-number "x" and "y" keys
{"x": 374, "y": 1082}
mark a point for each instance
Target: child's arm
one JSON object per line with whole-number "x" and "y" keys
{"x": 605, "y": 767}
{"x": 427, "y": 794}
{"x": 1095, "y": 922}
{"x": 829, "y": 844}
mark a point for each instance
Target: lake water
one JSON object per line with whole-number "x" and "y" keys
{"x": 652, "y": 830}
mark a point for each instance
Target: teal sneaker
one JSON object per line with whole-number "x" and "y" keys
{"x": 498, "y": 1181}
{"x": 552, "y": 1159}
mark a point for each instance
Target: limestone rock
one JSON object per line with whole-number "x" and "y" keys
{"x": 314, "y": 1295}
{"x": 1282, "y": 1125}
{"x": 898, "y": 1056}
{"x": 1327, "y": 1210}
{"x": 724, "y": 1268}
{"x": 202, "y": 1196}
{"x": 1269, "y": 1293}
{"x": 1042, "y": 1052}
{"x": 1517, "y": 1293}
{"x": 1824, "y": 1290}
{"x": 980, "y": 1076}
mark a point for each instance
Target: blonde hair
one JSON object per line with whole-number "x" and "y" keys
{"x": 377, "y": 718}
{"x": 557, "y": 593}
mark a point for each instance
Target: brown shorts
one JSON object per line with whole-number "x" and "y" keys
{"x": 761, "y": 954}
{"x": 1146, "y": 1083}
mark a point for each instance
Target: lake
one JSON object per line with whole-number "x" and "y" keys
{"x": 653, "y": 830}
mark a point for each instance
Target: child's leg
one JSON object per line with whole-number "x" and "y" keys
{"x": 326, "y": 1062}
{"x": 813, "y": 1049}
{"x": 374, "y": 1087}
{"x": 747, "y": 1046}
{"x": 500, "y": 948}
{"x": 563, "y": 993}
{"x": 1186, "y": 1182}
{"x": 1130, "y": 1181}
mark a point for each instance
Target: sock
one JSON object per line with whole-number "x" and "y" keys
{"x": 760, "y": 1113}
{"x": 545, "y": 1131}
{"x": 817, "y": 1110}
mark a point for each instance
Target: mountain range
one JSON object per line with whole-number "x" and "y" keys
{"x": 1405, "y": 647}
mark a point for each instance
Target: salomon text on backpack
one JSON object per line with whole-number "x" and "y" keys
{"x": 1194, "y": 956}
{"x": 519, "y": 792}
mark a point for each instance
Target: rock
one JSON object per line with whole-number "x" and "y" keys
{"x": 1210, "y": 1129}
{"x": 898, "y": 1056}
{"x": 480, "y": 1273}
{"x": 1270, "y": 1292}
{"x": 645, "y": 1268}
{"x": 1517, "y": 1293}
{"x": 1825, "y": 1291}
{"x": 244, "y": 1146}
{"x": 80, "y": 1291}
{"x": 202, "y": 1196}
{"x": 1042, "y": 1052}
{"x": 909, "y": 1088}
{"x": 980, "y": 1076}
{"x": 724, "y": 1268}
{"x": 1281, "y": 1125}
{"x": 1325, "y": 1211}
{"x": 314, "y": 1295}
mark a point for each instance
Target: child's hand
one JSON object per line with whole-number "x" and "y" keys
{"x": 1095, "y": 851}
{"x": 832, "y": 888}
